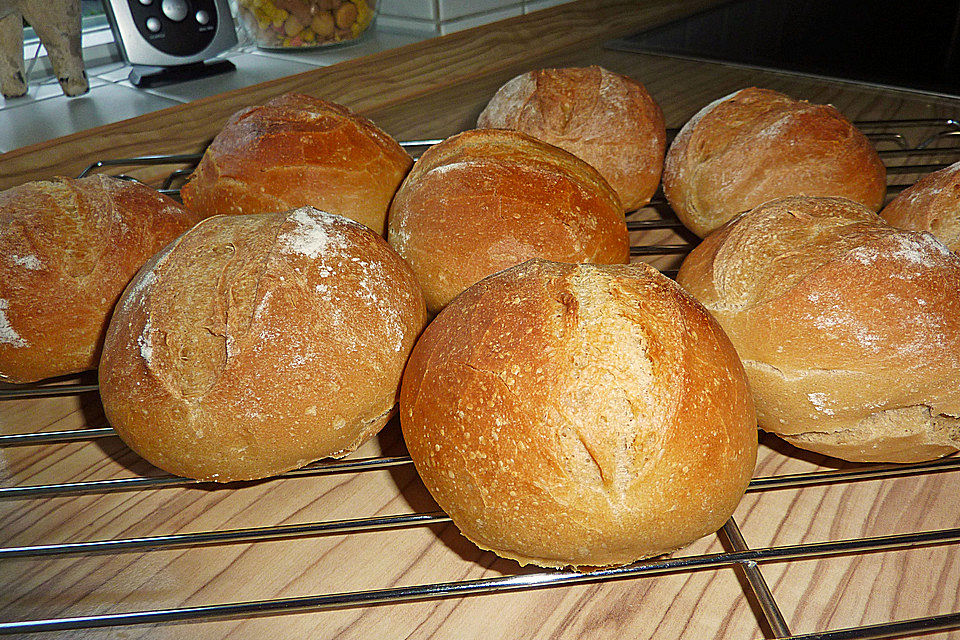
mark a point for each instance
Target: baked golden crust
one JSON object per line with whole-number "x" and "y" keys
{"x": 757, "y": 145}
{"x": 488, "y": 199}
{"x": 257, "y": 344}
{"x": 604, "y": 118}
{"x": 297, "y": 150}
{"x": 848, "y": 328}
{"x": 579, "y": 415}
{"x": 932, "y": 204}
{"x": 67, "y": 249}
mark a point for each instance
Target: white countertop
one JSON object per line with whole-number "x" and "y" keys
{"x": 45, "y": 113}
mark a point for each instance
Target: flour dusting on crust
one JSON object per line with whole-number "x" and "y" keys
{"x": 145, "y": 342}
{"x": 932, "y": 185}
{"x": 672, "y": 159}
{"x": 374, "y": 286}
{"x": 849, "y": 322}
{"x": 8, "y": 334}
{"x": 314, "y": 233}
{"x": 443, "y": 169}
{"x": 776, "y": 128}
{"x": 330, "y": 240}
{"x": 30, "y": 262}
{"x": 920, "y": 249}
{"x": 699, "y": 115}
{"x": 141, "y": 285}
{"x": 819, "y": 401}
{"x": 507, "y": 103}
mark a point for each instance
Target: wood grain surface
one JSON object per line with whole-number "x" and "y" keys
{"x": 425, "y": 100}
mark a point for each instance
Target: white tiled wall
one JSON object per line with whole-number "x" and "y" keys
{"x": 536, "y": 5}
{"x": 411, "y": 9}
{"x": 477, "y": 19}
{"x": 453, "y": 9}
{"x": 447, "y": 16}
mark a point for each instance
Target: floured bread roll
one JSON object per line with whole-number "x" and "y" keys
{"x": 67, "y": 249}
{"x": 932, "y": 204}
{"x": 294, "y": 151}
{"x": 579, "y": 415}
{"x": 602, "y": 117}
{"x": 256, "y": 344}
{"x": 849, "y": 329}
{"x": 756, "y": 145}
{"x": 488, "y": 199}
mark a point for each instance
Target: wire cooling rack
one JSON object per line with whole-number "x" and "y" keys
{"x": 910, "y": 148}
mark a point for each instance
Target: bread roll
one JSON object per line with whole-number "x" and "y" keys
{"x": 488, "y": 199}
{"x": 256, "y": 344}
{"x": 848, "y": 328}
{"x": 757, "y": 145}
{"x": 932, "y": 204}
{"x": 296, "y": 151}
{"x": 581, "y": 415}
{"x": 605, "y": 118}
{"x": 67, "y": 249}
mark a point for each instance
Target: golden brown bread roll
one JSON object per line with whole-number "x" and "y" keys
{"x": 848, "y": 328}
{"x": 297, "y": 150}
{"x": 67, "y": 249}
{"x": 605, "y": 118}
{"x": 579, "y": 415}
{"x": 757, "y": 145}
{"x": 932, "y": 204}
{"x": 488, "y": 199}
{"x": 256, "y": 344}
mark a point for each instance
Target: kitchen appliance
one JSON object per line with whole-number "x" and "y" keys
{"x": 170, "y": 41}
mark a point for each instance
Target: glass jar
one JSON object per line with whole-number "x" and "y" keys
{"x": 297, "y": 24}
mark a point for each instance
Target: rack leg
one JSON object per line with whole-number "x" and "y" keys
{"x": 769, "y": 607}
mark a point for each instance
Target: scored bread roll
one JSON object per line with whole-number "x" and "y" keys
{"x": 297, "y": 150}
{"x": 848, "y": 328}
{"x": 256, "y": 344}
{"x": 584, "y": 415}
{"x": 488, "y": 199}
{"x": 756, "y": 145}
{"x": 67, "y": 249}
{"x": 605, "y": 118}
{"x": 932, "y": 204}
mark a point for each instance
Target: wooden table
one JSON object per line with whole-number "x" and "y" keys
{"x": 435, "y": 89}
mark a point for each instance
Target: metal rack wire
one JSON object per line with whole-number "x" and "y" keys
{"x": 904, "y": 161}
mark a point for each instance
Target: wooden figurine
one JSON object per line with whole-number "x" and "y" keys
{"x": 57, "y": 24}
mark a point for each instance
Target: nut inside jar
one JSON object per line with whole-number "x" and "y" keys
{"x": 285, "y": 24}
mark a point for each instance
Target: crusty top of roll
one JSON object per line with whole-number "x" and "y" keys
{"x": 256, "y": 344}
{"x": 67, "y": 249}
{"x": 756, "y": 145}
{"x": 297, "y": 150}
{"x": 487, "y": 199}
{"x": 605, "y": 118}
{"x": 510, "y": 147}
{"x": 848, "y": 328}
{"x": 932, "y": 204}
{"x": 579, "y": 415}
